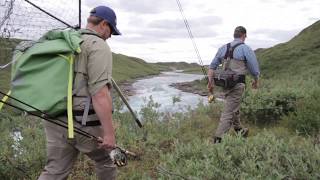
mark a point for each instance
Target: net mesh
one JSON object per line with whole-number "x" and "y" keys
{"x": 29, "y": 20}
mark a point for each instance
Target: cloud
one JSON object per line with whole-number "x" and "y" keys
{"x": 139, "y": 39}
{"x": 146, "y": 6}
{"x": 204, "y": 22}
{"x": 93, "y": 3}
{"x": 164, "y": 29}
{"x": 313, "y": 19}
{"x": 277, "y": 34}
{"x": 165, "y": 34}
{"x": 295, "y": 1}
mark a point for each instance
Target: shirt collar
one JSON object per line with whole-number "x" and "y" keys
{"x": 237, "y": 40}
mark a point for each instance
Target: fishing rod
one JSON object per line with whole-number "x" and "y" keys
{"x": 47, "y": 117}
{"x": 42, "y": 115}
{"x": 211, "y": 98}
{"x": 118, "y": 154}
{"x": 126, "y": 102}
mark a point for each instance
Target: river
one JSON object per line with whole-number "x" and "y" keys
{"x": 161, "y": 92}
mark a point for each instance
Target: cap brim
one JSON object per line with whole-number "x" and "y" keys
{"x": 115, "y": 31}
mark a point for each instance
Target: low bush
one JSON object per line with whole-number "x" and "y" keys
{"x": 260, "y": 157}
{"x": 306, "y": 118}
{"x": 22, "y": 152}
{"x": 265, "y": 107}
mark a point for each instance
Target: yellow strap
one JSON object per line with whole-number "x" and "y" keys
{"x": 69, "y": 96}
{"x": 4, "y": 99}
{"x": 69, "y": 101}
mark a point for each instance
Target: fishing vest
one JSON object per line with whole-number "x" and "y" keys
{"x": 82, "y": 104}
{"x": 232, "y": 71}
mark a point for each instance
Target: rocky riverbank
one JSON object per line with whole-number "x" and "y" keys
{"x": 127, "y": 88}
{"x": 196, "y": 87}
{"x": 190, "y": 87}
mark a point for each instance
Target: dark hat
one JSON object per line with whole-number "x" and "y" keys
{"x": 240, "y": 29}
{"x": 107, "y": 14}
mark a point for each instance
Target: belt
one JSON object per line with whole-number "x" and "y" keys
{"x": 80, "y": 113}
{"x": 76, "y": 113}
{"x": 242, "y": 78}
{"x": 91, "y": 123}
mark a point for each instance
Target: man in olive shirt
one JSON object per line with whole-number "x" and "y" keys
{"x": 92, "y": 104}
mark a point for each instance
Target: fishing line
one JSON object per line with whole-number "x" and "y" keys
{"x": 192, "y": 39}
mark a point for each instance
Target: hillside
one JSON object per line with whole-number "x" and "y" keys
{"x": 298, "y": 57}
{"x": 6, "y": 47}
{"x": 127, "y": 68}
{"x": 169, "y": 66}
{"x": 124, "y": 67}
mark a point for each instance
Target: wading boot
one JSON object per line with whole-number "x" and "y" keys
{"x": 244, "y": 132}
{"x": 217, "y": 140}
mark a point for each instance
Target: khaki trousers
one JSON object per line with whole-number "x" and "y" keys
{"x": 62, "y": 153}
{"x": 231, "y": 112}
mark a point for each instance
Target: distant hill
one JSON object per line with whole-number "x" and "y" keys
{"x": 171, "y": 66}
{"x": 126, "y": 67}
{"x": 298, "y": 57}
{"x": 6, "y": 47}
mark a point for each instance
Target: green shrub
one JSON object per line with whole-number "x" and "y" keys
{"x": 306, "y": 119}
{"x": 261, "y": 157}
{"x": 22, "y": 152}
{"x": 264, "y": 107}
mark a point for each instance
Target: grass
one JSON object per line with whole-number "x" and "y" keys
{"x": 179, "y": 145}
{"x": 4, "y": 80}
{"x": 195, "y": 70}
{"x": 171, "y": 66}
{"x": 127, "y": 68}
{"x": 299, "y": 57}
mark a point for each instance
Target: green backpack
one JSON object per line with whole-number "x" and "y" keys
{"x": 42, "y": 75}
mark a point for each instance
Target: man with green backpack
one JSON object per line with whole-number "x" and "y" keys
{"x": 91, "y": 106}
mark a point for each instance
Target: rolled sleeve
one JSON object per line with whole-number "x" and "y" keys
{"x": 99, "y": 66}
{"x": 252, "y": 62}
{"x": 217, "y": 59}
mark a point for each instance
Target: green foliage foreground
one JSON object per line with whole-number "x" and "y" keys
{"x": 263, "y": 156}
{"x": 171, "y": 146}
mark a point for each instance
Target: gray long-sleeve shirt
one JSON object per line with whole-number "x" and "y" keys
{"x": 242, "y": 52}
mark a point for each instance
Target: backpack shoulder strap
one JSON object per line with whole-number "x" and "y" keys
{"x": 88, "y": 32}
{"x": 229, "y": 52}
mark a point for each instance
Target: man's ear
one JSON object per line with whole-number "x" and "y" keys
{"x": 105, "y": 23}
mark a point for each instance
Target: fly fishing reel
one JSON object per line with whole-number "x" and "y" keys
{"x": 118, "y": 156}
{"x": 211, "y": 98}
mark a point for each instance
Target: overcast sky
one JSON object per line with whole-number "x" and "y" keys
{"x": 154, "y": 30}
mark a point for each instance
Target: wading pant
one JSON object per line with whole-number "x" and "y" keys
{"x": 62, "y": 153}
{"x": 231, "y": 112}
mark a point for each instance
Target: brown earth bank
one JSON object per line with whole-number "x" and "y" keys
{"x": 127, "y": 88}
{"x": 190, "y": 88}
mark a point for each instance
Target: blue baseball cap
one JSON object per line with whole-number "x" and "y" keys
{"x": 108, "y": 15}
